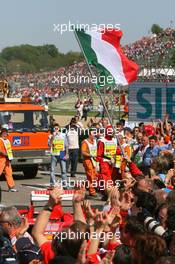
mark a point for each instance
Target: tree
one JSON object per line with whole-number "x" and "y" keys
{"x": 172, "y": 61}
{"x": 36, "y": 58}
{"x": 51, "y": 50}
{"x": 2, "y": 65}
{"x": 156, "y": 29}
{"x": 18, "y": 66}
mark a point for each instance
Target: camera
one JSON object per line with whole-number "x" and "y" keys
{"x": 152, "y": 225}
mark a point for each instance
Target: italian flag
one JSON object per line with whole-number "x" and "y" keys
{"x": 102, "y": 49}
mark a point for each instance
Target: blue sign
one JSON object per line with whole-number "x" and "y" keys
{"x": 151, "y": 101}
{"x": 21, "y": 141}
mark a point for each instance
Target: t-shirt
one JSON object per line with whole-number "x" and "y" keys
{"x": 73, "y": 137}
{"x": 47, "y": 252}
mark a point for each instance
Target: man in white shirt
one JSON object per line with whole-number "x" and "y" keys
{"x": 80, "y": 109}
{"x": 72, "y": 133}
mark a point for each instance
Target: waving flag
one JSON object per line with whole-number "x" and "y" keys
{"x": 102, "y": 49}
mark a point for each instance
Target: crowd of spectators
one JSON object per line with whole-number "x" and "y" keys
{"x": 150, "y": 52}
{"x": 49, "y": 79}
{"x": 47, "y": 86}
{"x": 135, "y": 225}
{"x": 154, "y": 48}
{"x": 154, "y": 55}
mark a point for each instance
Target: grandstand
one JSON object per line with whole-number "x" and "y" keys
{"x": 154, "y": 50}
{"x": 155, "y": 55}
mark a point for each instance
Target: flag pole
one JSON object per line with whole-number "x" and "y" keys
{"x": 98, "y": 92}
{"x": 119, "y": 97}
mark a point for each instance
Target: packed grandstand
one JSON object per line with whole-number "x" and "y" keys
{"x": 153, "y": 53}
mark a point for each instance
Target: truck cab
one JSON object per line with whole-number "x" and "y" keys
{"x": 28, "y": 129}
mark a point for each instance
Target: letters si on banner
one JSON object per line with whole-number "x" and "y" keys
{"x": 151, "y": 101}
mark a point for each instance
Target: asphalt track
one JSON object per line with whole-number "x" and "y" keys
{"x": 25, "y": 186}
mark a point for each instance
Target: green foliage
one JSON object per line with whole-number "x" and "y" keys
{"x": 15, "y": 66}
{"x": 173, "y": 59}
{"x": 2, "y": 66}
{"x": 156, "y": 29}
{"x": 29, "y": 59}
{"x": 71, "y": 57}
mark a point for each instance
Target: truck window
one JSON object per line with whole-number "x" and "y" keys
{"x": 24, "y": 120}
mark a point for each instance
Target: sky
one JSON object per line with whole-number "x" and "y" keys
{"x": 32, "y": 21}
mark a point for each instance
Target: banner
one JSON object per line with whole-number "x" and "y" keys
{"x": 151, "y": 101}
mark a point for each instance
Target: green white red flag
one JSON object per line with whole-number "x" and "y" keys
{"x": 102, "y": 49}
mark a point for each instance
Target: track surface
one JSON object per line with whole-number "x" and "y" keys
{"x": 25, "y": 186}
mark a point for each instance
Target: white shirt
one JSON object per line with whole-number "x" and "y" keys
{"x": 80, "y": 108}
{"x": 73, "y": 139}
{"x": 100, "y": 108}
{"x": 46, "y": 107}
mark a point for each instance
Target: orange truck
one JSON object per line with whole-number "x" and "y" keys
{"x": 28, "y": 128}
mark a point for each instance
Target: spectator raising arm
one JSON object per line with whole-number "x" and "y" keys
{"x": 77, "y": 208}
{"x": 43, "y": 218}
{"x": 101, "y": 221}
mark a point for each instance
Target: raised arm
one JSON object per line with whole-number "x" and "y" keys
{"x": 43, "y": 218}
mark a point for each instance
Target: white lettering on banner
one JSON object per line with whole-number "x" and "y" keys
{"x": 17, "y": 142}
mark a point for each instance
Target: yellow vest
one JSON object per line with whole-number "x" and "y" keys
{"x": 57, "y": 145}
{"x": 92, "y": 151}
{"x": 8, "y": 148}
{"x": 110, "y": 148}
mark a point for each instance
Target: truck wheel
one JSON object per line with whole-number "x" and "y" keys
{"x": 30, "y": 172}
